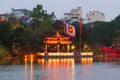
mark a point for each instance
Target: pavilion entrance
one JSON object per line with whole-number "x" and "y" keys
{"x": 57, "y": 46}
{"x": 57, "y": 43}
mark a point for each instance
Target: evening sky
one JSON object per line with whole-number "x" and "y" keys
{"x": 111, "y": 8}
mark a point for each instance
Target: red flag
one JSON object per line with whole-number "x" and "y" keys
{"x": 70, "y": 30}
{"x": 81, "y": 26}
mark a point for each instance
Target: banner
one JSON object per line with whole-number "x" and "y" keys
{"x": 70, "y": 30}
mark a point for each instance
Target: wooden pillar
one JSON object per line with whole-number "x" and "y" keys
{"x": 68, "y": 47}
{"x": 46, "y": 48}
{"x": 58, "y": 48}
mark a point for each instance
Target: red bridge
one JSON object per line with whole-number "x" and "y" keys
{"x": 110, "y": 52}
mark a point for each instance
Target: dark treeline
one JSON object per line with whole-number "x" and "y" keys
{"x": 16, "y": 37}
{"x": 102, "y": 34}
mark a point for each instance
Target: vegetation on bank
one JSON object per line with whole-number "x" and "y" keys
{"x": 17, "y": 38}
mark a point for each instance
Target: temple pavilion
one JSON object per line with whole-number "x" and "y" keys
{"x": 57, "y": 43}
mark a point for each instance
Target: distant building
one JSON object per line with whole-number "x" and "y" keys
{"x": 74, "y": 13}
{"x": 95, "y": 16}
{"x": 21, "y": 14}
{"x": 3, "y": 17}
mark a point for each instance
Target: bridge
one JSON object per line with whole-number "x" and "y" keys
{"x": 110, "y": 53}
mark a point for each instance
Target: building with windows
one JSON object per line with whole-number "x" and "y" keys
{"x": 74, "y": 13}
{"x": 95, "y": 16}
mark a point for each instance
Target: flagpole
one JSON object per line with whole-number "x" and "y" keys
{"x": 80, "y": 37}
{"x": 64, "y": 24}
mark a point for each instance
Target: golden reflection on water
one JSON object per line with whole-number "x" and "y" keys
{"x": 86, "y": 68}
{"x": 26, "y": 68}
{"x": 86, "y": 60}
{"x": 57, "y": 69}
{"x": 31, "y": 68}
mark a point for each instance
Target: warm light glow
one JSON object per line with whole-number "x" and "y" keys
{"x": 41, "y": 54}
{"x": 57, "y": 54}
{"x": 56, "y": 61}
{"x": 41, "y": 61}
{"x": 61, "y": 54}
{"x": 87, "y": 53}
{"x": 57, "y": 40}
{"x": 28, "y": 59}
{"x": 58, "y": 69}
{"x": 86, "y": 68}
{"x": 26, "y": 56}
{"x": 73, "y": 47}
{"x": 31, "y": 69}
{"x": 25, "y": 70}
{"x": 31, "y": 55}
{"x": 86, "y": 60}
{"x": 51, "y": 42}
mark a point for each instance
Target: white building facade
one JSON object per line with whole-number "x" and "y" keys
{"x": 74, "y": 13}
{"x": 95, "y": 16}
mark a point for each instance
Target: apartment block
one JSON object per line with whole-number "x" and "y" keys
{"x": 74, "y": 13}
{"x": 95, "y": 16}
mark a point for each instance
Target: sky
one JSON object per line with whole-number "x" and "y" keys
{"x": 111, "y": 8}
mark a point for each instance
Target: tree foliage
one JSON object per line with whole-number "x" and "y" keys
{"x": 31, "y": 38}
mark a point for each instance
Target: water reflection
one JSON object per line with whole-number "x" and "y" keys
{"x": 86, "y": 73}
{"x": 64, "y": 69}
{"x": 60, "y": 69}
{"x": 86, "y": 61}
{"x": 31, "y": 69}
{"x": 25, "y": 70}
{"x": 57, "y": 69}
{"x": 27, "y": 67}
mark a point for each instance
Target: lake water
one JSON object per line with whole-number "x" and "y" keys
{"x": 61, "y": 69}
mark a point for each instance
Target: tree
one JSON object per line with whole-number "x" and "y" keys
{"x": 39, "y": 15}
{"x": 14, "y": 22}
{"x": 38, "y": 28}
{"x": 5, "y": 35}
{"x": 103, "y": 32}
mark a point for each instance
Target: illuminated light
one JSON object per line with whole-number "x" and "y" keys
{"x": 25, "y": 69}
{"x": 72, "y": 54}
{"x": 73, "y": 47}
{"x": 41, "y": 61}
{"x": 58, "y": 54}
{"x": 86, "y": 53}
{"x": 87, "y": 60}
{"x": 31, "y": 69}
{"x": 91, "y": 53}
{"x": 41, "y": 54}
{"x": 25, "y": 59}
{"x": 25, "y": 56}
{"x": 31, "y": 55}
